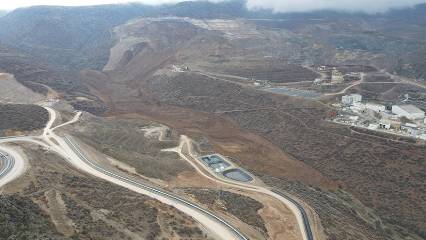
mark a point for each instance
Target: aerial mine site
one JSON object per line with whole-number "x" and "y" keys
{"x": 213, "y": 120}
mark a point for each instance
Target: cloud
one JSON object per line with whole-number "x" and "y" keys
{"x": 369, "y": 6}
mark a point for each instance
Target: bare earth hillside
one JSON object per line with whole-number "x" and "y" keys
{"x": 159, "y": 87}
{"x": 293, "y": 130}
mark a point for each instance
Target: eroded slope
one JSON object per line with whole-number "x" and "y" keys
{"x": 280, "y": 137}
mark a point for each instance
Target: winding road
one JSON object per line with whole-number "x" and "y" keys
{"x": 295, "y": 207}
{"x": 397, "y": 80}
{"x": 7, "y": 163}
{"x": 162, "y": 195}
{"x": 13, "y": 166}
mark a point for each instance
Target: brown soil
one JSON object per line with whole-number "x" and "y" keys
{"x": 58, "y": 212}
{"x": 266, "y": 133}
{"x": 228, "y": 139}
{"x": 280, "y": 221}
{"x": 74, "y": 204}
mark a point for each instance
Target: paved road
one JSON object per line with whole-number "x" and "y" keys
{"x": 293, "y": 205}
{"x": 12, "y": 166}
{"x": 65, "y": 147}
{"x": 71, "y": 152}
{"x": 7, "y": 163}
{"x": 307, "y": 225}
{"x": 152, "y": 189}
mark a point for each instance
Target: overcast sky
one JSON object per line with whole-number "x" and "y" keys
{"x": 277, "y": 5}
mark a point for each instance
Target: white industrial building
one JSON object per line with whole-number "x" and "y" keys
{"x": 351, "y": 99}
{"x": 375, "y": 107}
{"x": 354, "y": 118}
{"x": 317, "y": 81}
{"x": 385, "y": 125}
{"x": 409, "y": 111}
{"x": 413, "y": 130}
{"x": 337, "y": 76}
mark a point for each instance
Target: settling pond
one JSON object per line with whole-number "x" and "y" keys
{"x": 294, "y": 92}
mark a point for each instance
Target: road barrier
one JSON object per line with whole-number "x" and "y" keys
{"x": 9, "y": 163}
{"x": 152, "y": 189}
{"x": 305, "y": 217}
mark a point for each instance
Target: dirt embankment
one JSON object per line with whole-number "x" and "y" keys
{"x": 136, "y": 147}
{"x": 277, "y": 136}
{"x": 285, "y": 138}
{"x": 13, "y": 91}
{"x": 55, "y": 201}
{"x": 254, "y": 151}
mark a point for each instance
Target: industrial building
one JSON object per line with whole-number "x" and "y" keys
{"x": 351, "y": 99}
{"x": 215, "y": 162}
{"x": 409, "y": 111}
{"x": 318, "y": 81}
{"x": 336, "y": 76}
{"x": 376, "y": 116}
{"x": 384, "y": 125}
{"x": 412, "y": 129}
{"x": 375, "y": 107}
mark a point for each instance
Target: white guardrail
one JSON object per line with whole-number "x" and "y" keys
{"x": 152, "y": 189}
{"x": 8, "y": 164}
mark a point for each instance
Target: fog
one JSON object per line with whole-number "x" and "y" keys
{"x": 369, "y": 6}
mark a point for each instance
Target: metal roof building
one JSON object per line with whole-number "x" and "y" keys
{"x": 409, "y": 111}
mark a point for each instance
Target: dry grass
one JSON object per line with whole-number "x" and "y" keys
{"x": 125, "y": 141}
{"x": 17, "y": 117}
{"x": 380, "y": 173}
{"x": 97, "y": 209}
{"x": 244, "y": 208}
